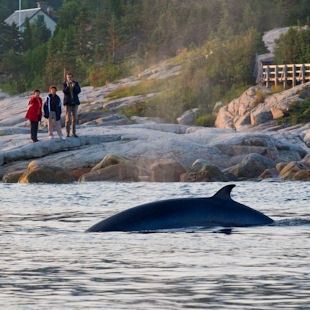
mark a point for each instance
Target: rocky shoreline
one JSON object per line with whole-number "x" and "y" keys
{"x": 249, "y": 145}
{"x": 157, "y": 153}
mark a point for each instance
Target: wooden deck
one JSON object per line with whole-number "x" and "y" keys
{"x": 288, "y": 75}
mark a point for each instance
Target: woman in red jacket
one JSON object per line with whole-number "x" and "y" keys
{"x": 34, "y": 114}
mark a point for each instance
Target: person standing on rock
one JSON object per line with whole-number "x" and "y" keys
{"x": 34, "y": 114}
{"x": 71, "y": 90}
{"x": 52, "y": 112}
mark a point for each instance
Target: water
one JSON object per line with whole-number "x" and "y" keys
{"x": 48, "y": 262}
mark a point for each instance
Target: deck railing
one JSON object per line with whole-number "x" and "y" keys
{"x": 292, "y": 74}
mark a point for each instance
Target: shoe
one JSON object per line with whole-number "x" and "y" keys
{"x": 36, "y": 140}
{"x": 51, "y": 137}
{"x": 63, "y": 138}
{"x": 68, "y": 135}
{"x": 75, "y": 135}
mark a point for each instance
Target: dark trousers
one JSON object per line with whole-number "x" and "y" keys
{"x": 34, "y": 130}
{"x": 71, "y": 118}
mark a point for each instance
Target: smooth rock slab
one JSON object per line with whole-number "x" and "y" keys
{"x": 43, "y": 148}
{"x": 188, "y": 117}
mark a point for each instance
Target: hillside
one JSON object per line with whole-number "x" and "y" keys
{"x": 147, "y": 148}
{"x": 103, "y": 41}
{"x": 142, "y": 65}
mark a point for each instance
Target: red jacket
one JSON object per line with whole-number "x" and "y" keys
{"x": 34, "y": 113}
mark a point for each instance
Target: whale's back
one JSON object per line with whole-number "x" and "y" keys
{"x": 219, "y": 210}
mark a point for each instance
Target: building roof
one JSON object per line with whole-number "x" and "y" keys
{"x": 24, "y": 14}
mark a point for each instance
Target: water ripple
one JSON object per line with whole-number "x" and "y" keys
{"x": 48, "y": 262}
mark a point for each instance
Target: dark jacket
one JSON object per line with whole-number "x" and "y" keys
{"x": 68, "y": 100}
{"x": 34, "y": 112}
{"x": 47, "y": 107}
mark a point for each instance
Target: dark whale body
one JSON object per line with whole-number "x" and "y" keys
{"x": 218, "y": 210}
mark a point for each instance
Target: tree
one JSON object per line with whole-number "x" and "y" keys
{"x": 293, "y": 46}
{"x": 114, "y": 40}
{"x": 68, "y": 15}
{"x": 35, "y": 33}
{"x": 10, "y": 38}
{"x": 54, "y": 70}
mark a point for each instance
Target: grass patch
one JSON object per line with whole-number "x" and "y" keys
{"x": 259, "y": 97}
{"x": 299, "y": 113}
{"x": 207, "y": 120}
{"x": 2, "y": 134}
{"x": 109, "y": 73}
{"x": 276, "y": 89}
{"x": 143, "y": 88}
{"x": 138, "y": 109}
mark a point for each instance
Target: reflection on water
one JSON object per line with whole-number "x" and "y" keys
{"x": 48, "y": 262}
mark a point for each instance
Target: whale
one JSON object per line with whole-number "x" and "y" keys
{"x": 220, "y": 210}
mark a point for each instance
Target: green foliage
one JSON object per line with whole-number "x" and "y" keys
{"x": 13, "y": 63}
{"x": 259, "y": 97}
{"x": 2, "y": 134}
{"x": 299, "y": 112}
{"x": 220, "y": 69}
{"x": 35, "y": 34}
{"x": 142, "y": 88}
{"x": 207, "y": 120}
{"x": 102, "y": 41}
{"x": 138, "y": 109}
{"x": 108, "y": 73}
{"x": 234, "y": 92}
{"x": 293, "y": 46}
{"x": 276, "y": 89}
{"x": 164, "y": 105}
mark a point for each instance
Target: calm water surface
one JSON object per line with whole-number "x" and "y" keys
{"x": 48, "y": 262}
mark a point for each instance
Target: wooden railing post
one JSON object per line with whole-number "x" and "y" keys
{"x": 276, "y": 75}
{"x": 267, "y": 77}
{"x": 302, "y": 74}
{"x": 294, "y": 76}
{"x": 284, "y": 76}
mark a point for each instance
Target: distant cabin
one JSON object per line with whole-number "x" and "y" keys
{"x": 32, "y": 15}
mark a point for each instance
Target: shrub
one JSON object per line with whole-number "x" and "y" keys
{"x": 142, "y": 88}
{"x": 259, "y": 97}
{"x": 138, "y": 109}
{"x": 108, "y": 73}
{"x": 276, "y": 89}
{"x": 206, "y": 120}
{"x": 304, "y": 94}
{"x": 299, "y": 112}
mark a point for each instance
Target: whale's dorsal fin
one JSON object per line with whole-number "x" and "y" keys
{"x": 224, "y": 192}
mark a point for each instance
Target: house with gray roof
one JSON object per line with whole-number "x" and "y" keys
{"x": 32, "y": 15}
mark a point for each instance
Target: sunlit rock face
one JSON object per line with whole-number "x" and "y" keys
{"x": 256, "y": 106}
{"x": 37, "y": 173}
{"x": 146, "y": 148}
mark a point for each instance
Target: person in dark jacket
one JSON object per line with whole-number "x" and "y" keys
{"x": 34, "y": 114}
{"x": 52, "y": 112}
{"x": 71, "y": 90}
